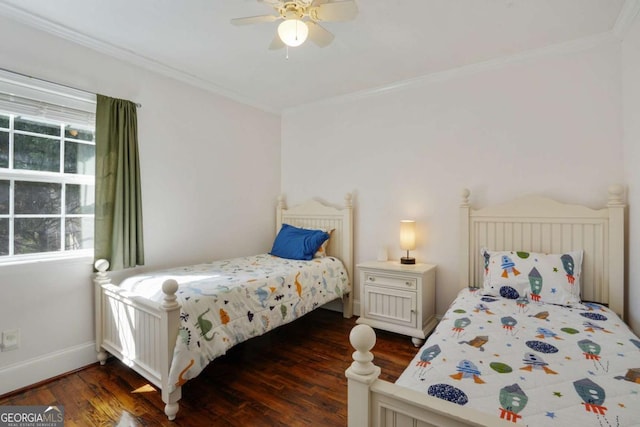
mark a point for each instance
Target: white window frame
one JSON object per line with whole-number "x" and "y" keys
{"x": 22, "y": 96}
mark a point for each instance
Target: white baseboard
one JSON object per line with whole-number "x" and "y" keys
{"x": 32, "y": 371}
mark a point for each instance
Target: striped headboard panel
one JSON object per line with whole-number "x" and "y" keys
{"x": 314, "y": 214}
{"x": 539, "y": 224}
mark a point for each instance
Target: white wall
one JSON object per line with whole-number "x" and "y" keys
{"x": 550, "y": 124}
{"x": 631, "y": 106}
{"x": 200, "y": 154}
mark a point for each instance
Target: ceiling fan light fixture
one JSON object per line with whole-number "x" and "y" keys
{"x": 293, "y": 32}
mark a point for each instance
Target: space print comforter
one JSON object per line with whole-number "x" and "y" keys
{"x": 532, "y": 363}
{"x": 227, "y": 302}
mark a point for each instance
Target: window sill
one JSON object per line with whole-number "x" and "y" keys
{"x": 81, "y": 257}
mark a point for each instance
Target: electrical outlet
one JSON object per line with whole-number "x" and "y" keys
{"x": 10, "y": 340}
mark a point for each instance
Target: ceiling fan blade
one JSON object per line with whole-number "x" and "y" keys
{"x": 337, "y": 11}
{"x": 254, "y": 19}
{"x": 319, "y": 35}
{"x": 276, "y": 43}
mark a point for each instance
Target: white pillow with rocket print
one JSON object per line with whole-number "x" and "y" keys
{"x": 551, "y": 278}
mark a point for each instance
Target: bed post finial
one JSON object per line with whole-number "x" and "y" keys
{"x": 348, "y": 200}
{"x": 362, "y": 338}
{"x": 282, "y": 204}
{"x": 360, "y": 375}
{"x": 101, "y": 265}
{"x": 170, "y": 287}
{"x": 465, "y": 197}
{"x": 616, "y": 195}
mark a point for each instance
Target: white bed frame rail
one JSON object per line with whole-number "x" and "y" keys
{"x": 142, "y": 333}
{"x": 531, "y": 223}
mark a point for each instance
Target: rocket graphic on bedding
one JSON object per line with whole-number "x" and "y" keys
{"x": 508, "y": 267}
{"x": 459, "y": 325}
{"x": 547, "y": 333}
{"x": 508, "y": 324}
{"x": 593, "y": 326}
{"x": 535, "y": 281}
{"x": 486, "y": 257}
{"x": 467, "y": 369}
{"x": 426, "y": 357}
{"x": 512, "y": 401}
{"x": 592, "y": 396}
{"x": 482, "y": 308}
{"x": 523, "y": 304}
{"x": 568, "y": 264}
{"x": 591, "y": 351}
{"x": 533, "y": 361}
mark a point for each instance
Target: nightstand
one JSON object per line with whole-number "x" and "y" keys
{"x": 398, "y": 298}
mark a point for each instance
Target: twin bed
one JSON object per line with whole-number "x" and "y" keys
{"x": 168, "y": 325}
{"x": 528, "y": 343}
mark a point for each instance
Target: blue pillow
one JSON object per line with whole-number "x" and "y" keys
{"x": 297, "y": 243}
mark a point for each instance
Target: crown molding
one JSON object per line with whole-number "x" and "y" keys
{"x": 39, "y": 23}
{"x": 626, "y": 17}
{"x": 564, "y": 48}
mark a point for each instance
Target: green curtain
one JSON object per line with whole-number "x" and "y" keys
{"x": 118, "y": 213}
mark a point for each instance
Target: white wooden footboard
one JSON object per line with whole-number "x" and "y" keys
{"x": 376, "y": 403}
{"x": 139, "y": 332}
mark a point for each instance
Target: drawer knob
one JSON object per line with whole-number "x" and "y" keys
{"x": 407, "y": 283}
{"x": 372, "y": 279}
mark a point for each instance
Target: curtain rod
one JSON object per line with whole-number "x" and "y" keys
{"x": 56, "y": 83}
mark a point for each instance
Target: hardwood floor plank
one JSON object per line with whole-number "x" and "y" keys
{"x": 293, "y": 376}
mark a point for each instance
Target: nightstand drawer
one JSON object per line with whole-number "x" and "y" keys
{"x": 381, "y": 279}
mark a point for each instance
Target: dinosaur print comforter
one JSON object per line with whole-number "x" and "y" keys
{"x": 227, "y": 302}
{"x": 532, "y": 363}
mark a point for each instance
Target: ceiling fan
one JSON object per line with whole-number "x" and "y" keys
{"x": 300, "y": 20}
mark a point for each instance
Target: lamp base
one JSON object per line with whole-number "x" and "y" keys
{"x": 407, "y": 260}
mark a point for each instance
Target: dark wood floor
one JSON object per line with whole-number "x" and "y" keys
{"x": 293, "y": 376}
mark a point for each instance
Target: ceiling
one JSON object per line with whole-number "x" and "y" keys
{"x": 389, "y": 42}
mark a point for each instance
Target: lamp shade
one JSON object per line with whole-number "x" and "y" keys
{"x": 293, "y": 32}
{"x": 407, "y": 235}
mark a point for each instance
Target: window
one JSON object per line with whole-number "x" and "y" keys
{"x": 47, "y": 176}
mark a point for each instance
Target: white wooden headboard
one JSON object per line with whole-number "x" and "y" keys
{"x": 539, "y": 224}
{"x": 313, "y": 214}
